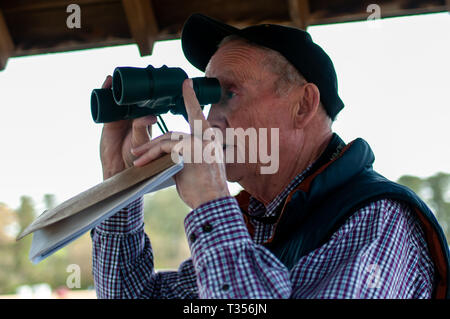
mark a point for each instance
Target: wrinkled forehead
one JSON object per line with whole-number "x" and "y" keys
{"x": 238, "y": 61}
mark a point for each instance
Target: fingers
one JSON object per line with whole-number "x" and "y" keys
{"x": 141, "y": 130}
{"x": 107, "y": 83}
{"x": 184, "y": 144}
{"x": 193, "y": 109}
{"x": 139, "y": 150}
{"x": 163, "y": 147}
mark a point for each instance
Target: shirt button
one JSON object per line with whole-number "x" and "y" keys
{"x": 192, "y": 237}
{"x": 225, "y": 287}
{"x": 207, "y": 228}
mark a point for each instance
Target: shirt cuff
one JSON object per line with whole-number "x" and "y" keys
{"x": 127, "y": 220}
{"x": 214, "y": 224}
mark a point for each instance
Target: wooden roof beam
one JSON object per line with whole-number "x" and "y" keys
{"x": 300, "y": 13}
{"x": 142, "y": 23}
{"x": 6, "y": 43}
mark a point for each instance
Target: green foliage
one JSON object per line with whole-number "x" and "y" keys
{"x": 164, "y": 222}
{"x": 49, "y": 201}
{"x": 15, "y": 267}
{"x": 435, "y": 191}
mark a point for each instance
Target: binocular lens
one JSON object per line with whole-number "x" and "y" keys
{"x": 103, "y": 107}
{"x": 94, "y": 106}
{"x": 131, "y": 85}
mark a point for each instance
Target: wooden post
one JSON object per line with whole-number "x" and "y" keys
{"x": 142, "y": 23}
{"x": 299, "y": 12}
{"x": 6, "y": 43}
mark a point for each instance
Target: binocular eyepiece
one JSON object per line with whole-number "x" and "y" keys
{"x": 139, "y": 92}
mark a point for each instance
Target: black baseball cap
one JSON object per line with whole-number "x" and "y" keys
{"x": 201, "y": 36}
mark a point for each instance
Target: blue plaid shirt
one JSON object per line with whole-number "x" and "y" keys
{"x": 380, "y": 252}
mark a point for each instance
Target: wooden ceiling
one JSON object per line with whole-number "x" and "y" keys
{"x": 39, "y": 26}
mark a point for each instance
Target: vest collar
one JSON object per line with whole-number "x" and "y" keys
{"x": 352, "y": 160}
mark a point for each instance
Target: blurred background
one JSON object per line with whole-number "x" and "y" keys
{"x": 391, "y": 59}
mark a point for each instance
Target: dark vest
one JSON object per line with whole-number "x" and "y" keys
{"x": 334, "y": 190}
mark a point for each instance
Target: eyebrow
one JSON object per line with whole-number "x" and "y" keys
{"x": 228, "y": 79}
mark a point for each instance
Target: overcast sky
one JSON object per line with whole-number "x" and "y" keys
{"x": 393, "y": 79}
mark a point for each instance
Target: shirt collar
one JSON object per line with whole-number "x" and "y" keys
{"x": 257, "y": 209}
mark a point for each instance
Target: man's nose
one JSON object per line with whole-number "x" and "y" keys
{"x": 217, "y": 119}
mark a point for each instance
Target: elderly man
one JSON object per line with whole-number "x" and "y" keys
{"x": 325, "y": 225}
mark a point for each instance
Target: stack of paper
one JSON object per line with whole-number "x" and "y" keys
{"x": 57, "y": 227}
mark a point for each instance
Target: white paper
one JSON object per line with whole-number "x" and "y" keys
{"x": 51, "y": 238}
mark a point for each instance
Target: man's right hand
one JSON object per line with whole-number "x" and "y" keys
{"x": 118, "y": 138}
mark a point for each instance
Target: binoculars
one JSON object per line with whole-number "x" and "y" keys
{"x": 138, "y": 92}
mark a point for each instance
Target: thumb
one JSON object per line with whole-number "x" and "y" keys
{"x": 141, "y": 130}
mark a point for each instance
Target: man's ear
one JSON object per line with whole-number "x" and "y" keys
{"x": 307, "y": 104}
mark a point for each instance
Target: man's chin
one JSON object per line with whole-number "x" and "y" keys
{"x": 233, "y": 173}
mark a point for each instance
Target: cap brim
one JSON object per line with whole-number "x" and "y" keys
{"x": 200, "y": 37}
